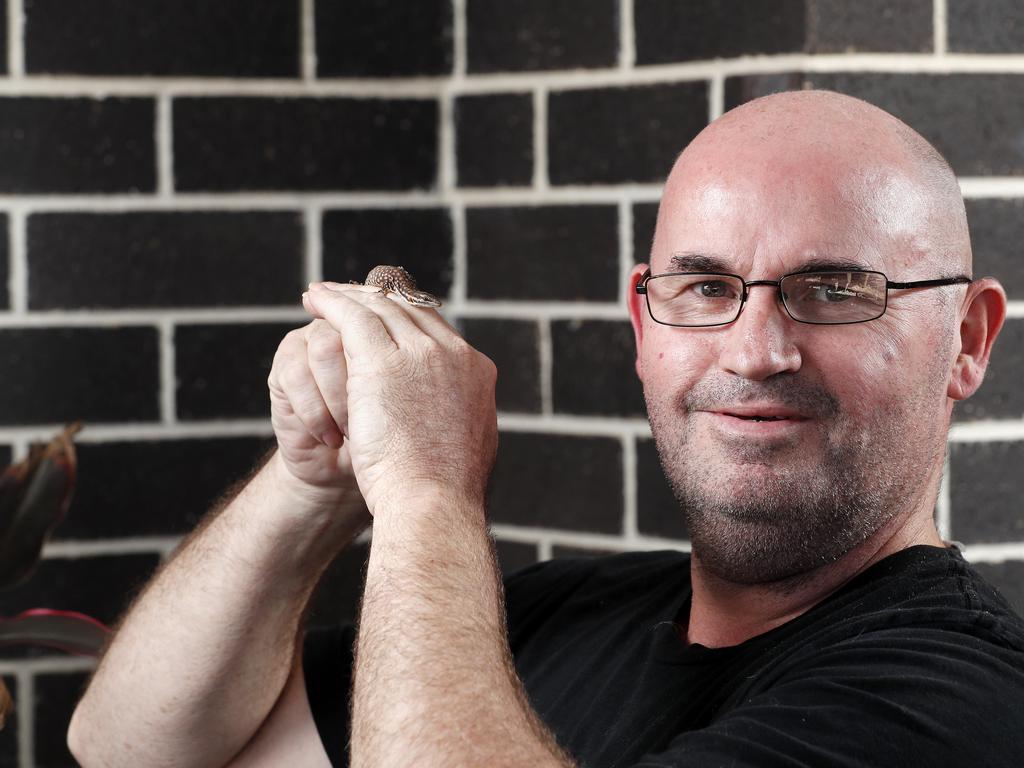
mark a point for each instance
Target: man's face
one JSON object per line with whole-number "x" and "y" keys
{"x": 865, "y": 405}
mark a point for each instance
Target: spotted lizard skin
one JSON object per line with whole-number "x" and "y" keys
{"x": 397, "y": 280}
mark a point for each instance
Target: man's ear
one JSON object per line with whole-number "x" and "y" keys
{"x": 984, "y": 311}
{"x": 637, "y": 309}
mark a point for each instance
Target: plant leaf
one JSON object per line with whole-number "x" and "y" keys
{"x": 35, "y": 494}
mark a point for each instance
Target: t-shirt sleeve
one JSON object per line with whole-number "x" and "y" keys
{"x": 935, "y": 698}
{"x": 327, "y": 669}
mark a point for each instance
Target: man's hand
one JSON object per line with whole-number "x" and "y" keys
{"x": 414, "y": 401}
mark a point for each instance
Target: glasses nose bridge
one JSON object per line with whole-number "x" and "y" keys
{"x": 749, "y": 283}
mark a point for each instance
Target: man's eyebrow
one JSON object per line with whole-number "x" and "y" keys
{"x": 697, "y": 262}
{"x": 831, "y": 265}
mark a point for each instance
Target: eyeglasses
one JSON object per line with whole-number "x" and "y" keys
{"x": 699, "y": 299}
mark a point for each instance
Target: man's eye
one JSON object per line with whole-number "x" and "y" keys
{"x": 833, "y": 293}
{"x": 714, "y": 289}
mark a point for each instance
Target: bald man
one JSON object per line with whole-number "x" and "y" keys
{"x": 806, "y": 322}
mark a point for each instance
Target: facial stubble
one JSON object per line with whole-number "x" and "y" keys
{"x": 768, "y": 514}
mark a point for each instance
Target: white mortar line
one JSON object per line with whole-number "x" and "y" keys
{"x": 168, "y": 388}
{"x": 15, "y": 40}
{"x": 1014, "y": 310}
{"x": 987, "y": 431}
{"x": 994, "y": 553}
{"x": 580, "y": 426}
{"x": 115, "y": 318}
{"x": 991, "y": 186}
{"x": 307, "y": 41}
{"x": 944, "y": 518}
{"x": 629, "y": 488}
{"x": 460, "y": 261}
{"x": 458, "y": 40}
{"x": 312, "y": 227}
{"x": 164, "y": 147}
{"x": 17, "y": 282}
{"x": 426, "y": 87}
{"x": 627, "y": 35}
{"x": 534, "y": 309}
{"x": 365, "y": 199}
{"x": 540, "y": 143}
{"x": 26, "y": 717}
{"x": 543, "y": 549}
{"x": 546, "y": 370}
{"x": 145, "y": 545}
{"x": 552, "y": 536}
{"x": 940, "y": 26}
{"x": 447, "y": 170}
{"x": 716, "y": 97}
{"x": 154, "y": 431}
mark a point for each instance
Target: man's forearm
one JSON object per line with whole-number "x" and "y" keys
{"x": 434, "y": 681}
{"x": 200, "y": 658}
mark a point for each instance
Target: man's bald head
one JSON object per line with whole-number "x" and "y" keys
{"x": 879, "y": 165}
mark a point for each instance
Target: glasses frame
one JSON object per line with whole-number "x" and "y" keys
{"x": 641, "y": 288}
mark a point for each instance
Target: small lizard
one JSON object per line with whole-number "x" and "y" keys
{"x": 397, "y": 280}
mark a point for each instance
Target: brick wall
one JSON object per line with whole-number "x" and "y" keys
{"x": 172, "y": 175}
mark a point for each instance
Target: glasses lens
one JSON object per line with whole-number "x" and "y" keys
{"x": 835, "y": 297}
{"x": 704, "y": 299}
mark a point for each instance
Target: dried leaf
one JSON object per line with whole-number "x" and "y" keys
{"x": 34, "y": 496}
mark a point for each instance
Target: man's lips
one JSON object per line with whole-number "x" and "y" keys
{"x": 762, "y": 412}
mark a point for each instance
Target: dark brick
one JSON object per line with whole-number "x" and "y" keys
{"x": 658, "y": 512}
{"x": 56, "y": 696}
{"x": 9, "y": 734}
{"x": 544, "y": 253}
{"x": 997, "y": 230}
{"x": 519, "y": 35}
{"x": 617, "y": 135}
{"x": 1000, "y": 395}
{"x": 840, "y": 26}
{"x": 513, "y": 346}
{"x": 668, "y": 30}
{"x": 419, "y": 239}
{"x": 337, "y": 596}
{"x": 93, "y": 374}
{"x": 165, "y": 259}
{"x": 222, "y": 369}
{"x": 100, "y": 586}
{"x": 494, "y": 139}
{"x": 563, "y": 551}
{"x": 6, "y": 454}
{"x": 985, "y": 26}
{"x": 5, "y": 296}
{"x": 984, "y": 483}
{"x": 593, "y": 369}
{"x": 558, "y": 481}
{"x": 1008, "y": 578}
{"x": 383, "y": 38}
{"x": 515, "y": 555}
{"x": 645, "y": 218}
{"x": 970, "y": 118}
{"x": 154, "y": 487}
{"x": 225, "y": 144}
{"x": 68, "y": 145}
{"x": 229, "y": 38}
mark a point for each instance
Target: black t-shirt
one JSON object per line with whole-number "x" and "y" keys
{"x": 916, "y": 661}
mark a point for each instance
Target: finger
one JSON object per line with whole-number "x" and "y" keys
{"x": 363, "y": 332}
{"x": 427, "y": 319}
{"x": 292, "y": 382}
{"x": 400, "y": 327}
{"x": 326, "y": 359}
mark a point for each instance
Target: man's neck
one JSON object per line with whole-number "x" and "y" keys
{"x": 724, "y": 613}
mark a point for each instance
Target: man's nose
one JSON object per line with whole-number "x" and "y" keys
{"x": 760, "y": 342}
